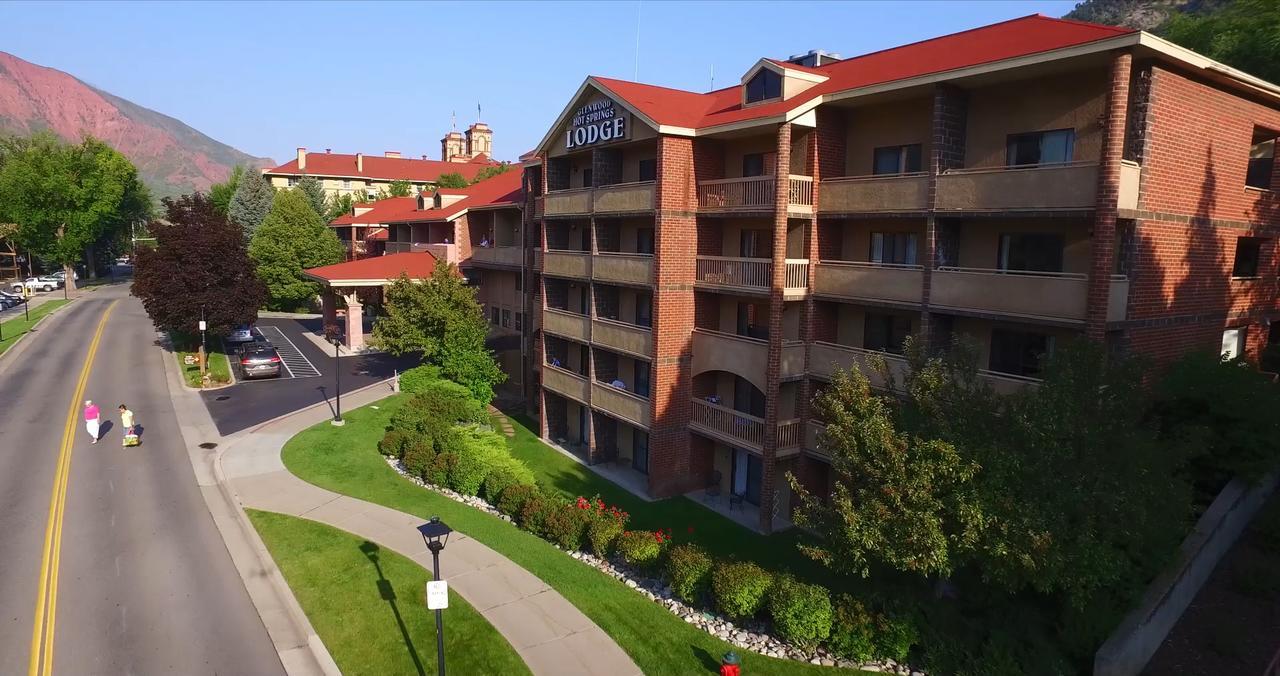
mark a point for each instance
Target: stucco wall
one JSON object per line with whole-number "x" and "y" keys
{"x": 888, "y": 124}
{"x": 1068, "y": 101}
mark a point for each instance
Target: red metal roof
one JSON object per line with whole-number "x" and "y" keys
{"x": 988, "y": 44}
{"x": 500, "y": 190}
{"x": 417, "y": 265}
{"x": 378, "y": 211}
{"x": 384, "y": 168}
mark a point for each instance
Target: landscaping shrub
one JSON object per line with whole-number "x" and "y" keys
{"x": 438, "y": 469}
{"x": 392, "y": 443}
{"x": 565, "y": 526}
{"x": 439, "y": 405}
{"x": 503, "y": 472}
{"x": 417, "y": 459}
{"x": 512, "y": 500}
{"x": 740, "y": 588}
{"x": 640, "y": 548}
{"x": 416, "y": 379}
{"x": 477, "y": 451}
{"x": 603, "y": 533}
{"x": 801, "y": 612}
{"x": 852, "y": 630}
{"x": 688, "y": 569}
{"x": 894, "y": 637}
{"x": 534, "y": 513}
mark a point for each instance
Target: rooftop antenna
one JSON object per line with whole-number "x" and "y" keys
{"x": 636, "y": 76}
{"x": 453, "y": 119}
{"x": 478, "y": 116}
{"x": 713, "y": 77}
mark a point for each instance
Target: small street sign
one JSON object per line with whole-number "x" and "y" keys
{"x": 437, "y": 595}
{"x": 202, "y": 325}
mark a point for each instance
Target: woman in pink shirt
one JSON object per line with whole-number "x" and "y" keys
{"x": 91, "y": 419}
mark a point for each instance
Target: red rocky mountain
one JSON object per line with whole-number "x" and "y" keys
{"x": 171, "y": 157}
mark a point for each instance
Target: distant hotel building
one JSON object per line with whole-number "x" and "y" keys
{"x": 694, "y": 267}
{"x": 366, "y": 176}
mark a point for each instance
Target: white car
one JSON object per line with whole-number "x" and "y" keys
{"x": 33, "y": 284}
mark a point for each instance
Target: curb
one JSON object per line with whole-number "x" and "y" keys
{"x": 167, "y": 344}
{"x": 311, "y": 656}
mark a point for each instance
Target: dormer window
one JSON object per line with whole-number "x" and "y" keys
{"x": 764, "y": 86}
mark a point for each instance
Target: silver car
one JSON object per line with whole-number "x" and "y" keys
{"x": 241, "y": 334}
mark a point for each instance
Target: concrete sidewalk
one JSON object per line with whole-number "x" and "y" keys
{"x": 549, "y": 633}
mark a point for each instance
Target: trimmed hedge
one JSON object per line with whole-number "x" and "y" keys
{"x": 416, "y": 379}
{"x": 417, "y": 459}
{"x": 801, "y": 612}
{"x": 565, "y": 526}
{"x": 852, "y": 630}
{"x": 639, "y": 548}
{"x": 740, "y": 588}
{"x": 688, "y": 569}
{"x": 513, "y": 498}
{"x": 533, "y": 516}
{"x": 603, "y": 533}
{"x": 392, "y": 443}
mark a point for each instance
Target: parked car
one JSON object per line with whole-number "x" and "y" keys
{"x": 7, "y": 301}
{"x": 33, "y": 284}
{"x": 259, "y": 360}
{"x": 241, "y": 334}
{"x": 59, "y": 281}
{"x": 62, "y": 274}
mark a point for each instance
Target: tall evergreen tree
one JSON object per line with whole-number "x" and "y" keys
{"x": 251, "y": 202}
{"x": 292, "y": 238}
{"x": 198, "y": 268}
{"x": 311, "y": 188}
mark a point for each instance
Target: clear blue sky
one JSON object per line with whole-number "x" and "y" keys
{"x": 267, "y": 78}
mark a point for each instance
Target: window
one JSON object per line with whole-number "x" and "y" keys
{"x": 346, "y": 184}
{"x": 885, "y": 332}
{"x": 519, "y": 321}
{"x": 1248, "y": 254}
{"x": 642, "y": 379}
{"x": 519, "y": 282}
{"x": 506, "y": 319}
{"x": 758, "y": 164}
{"x": 644, "y": 309}
{"x": 586, "y": 177}
{"x": 640, "y": 451}
{"x": 649, "y": 170}
{"x": 1031, "y": 252}
{"x": 755, "y": 243}
{"x": 1233, "y": 343}
{"x": 1041, "y": 147}
{"x": 896, "y": 159}
{"x": 764, "y": 86}
{"x": 473, "y": 276}
{"x": 1262, "y": 159}
{"x": 293, "y": 180}
{"x": 493, "y": 316}
{"x": 898, "y": 248}
{"x": 750, "y": 322}
{"x": 1019, "y": 352}
{"x": 644, "y": 241}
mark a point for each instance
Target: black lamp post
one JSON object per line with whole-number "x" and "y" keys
{"x": 435, "y": 533}
{"x": 332, "y": 330}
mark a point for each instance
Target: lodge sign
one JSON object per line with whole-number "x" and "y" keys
{"x": 596, "y": 122}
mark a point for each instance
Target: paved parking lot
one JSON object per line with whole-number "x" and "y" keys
{"x": 306, "y": 379}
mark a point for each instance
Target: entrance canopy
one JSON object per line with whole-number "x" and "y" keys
{"x": 376, "y": 271}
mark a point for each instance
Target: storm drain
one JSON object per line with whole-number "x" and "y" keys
{"x": 208, "y": 445}
{"x": 222, "y": 397}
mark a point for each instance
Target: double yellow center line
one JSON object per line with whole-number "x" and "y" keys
{"x": 47, "y": 592}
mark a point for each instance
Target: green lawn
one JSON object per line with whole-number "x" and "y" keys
{"x": 344, "y": 459}
{"x": 219, "y": 366}
{"x": 718, "y": 534}
{"x": 366, "y": 603}
{"x": 15, "y": 328}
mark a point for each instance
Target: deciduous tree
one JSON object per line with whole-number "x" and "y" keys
{"x": 441, "y": 319}
{"x": 197, "y": 267}
{"x": 292, "y": 238}
{"x": 221, "y": 193}
{"x": 491, "y": 171}
{"x": 400, "y": 188}
{"x": 338, "y": 205}
{"x": 451, "y": 180}
{"x": 251, "y": 201}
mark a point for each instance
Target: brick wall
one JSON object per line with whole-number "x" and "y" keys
{"x": 950, "y": 117}
{"x": 1102, "y": 246}
{"x": 770, "y": 476}
{"x": 675, "y": 235}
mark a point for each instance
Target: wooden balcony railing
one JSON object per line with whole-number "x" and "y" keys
{"x": 754, "y": 274}
{"x": 731, "y": 426}
{"x": 753, "y": 193}
{"x": 790, "y": 433}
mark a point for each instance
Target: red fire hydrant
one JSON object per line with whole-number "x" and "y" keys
{"x": 729, "y": 665}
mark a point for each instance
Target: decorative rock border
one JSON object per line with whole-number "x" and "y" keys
{"x": 753, "y": 636}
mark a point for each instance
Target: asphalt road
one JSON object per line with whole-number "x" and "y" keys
{"x": 250, "y": 403}
{"x": 144, "y": 582}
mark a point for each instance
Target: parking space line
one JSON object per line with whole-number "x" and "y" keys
{"x": 294, "y": 361}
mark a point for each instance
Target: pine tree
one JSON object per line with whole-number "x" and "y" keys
{"x": 251, "y": 202}
{"x": 292, "y": 238}
{"x": 311, "y": 188}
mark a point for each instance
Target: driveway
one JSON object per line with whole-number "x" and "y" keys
{"x": 306, "y": 379}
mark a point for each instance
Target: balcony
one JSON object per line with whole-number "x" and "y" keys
{"x": 537, "y": 207}
{"x": 500, "y": 256}
{"x": 1058, "y": 296}
{"x": 751, "y": 275}
{"x": 739, "y": 355}
{"x": 443, "y": 252}
{"x": 1007, "y": 383}
{"x": 875, "y": 194}
{"x": 623, "y": 198}
{"x": 869, "y": 281}
{"x": 575, "y": 202}
{"x": 1071, "y": 185}
{"x": 623, "y": 268}
{"x": 811, "y": 434}
{"x": 754, "y": 194}
{"x": 573, "y": 264}
{"x": 565, "y": 383}
{"x": 621, "y": 404}
{"x": 622, "y": 337}
{"x": 743, "y": 430}
{"x": 826, "y": 358}
{"x": 792, "y": 359}
{"x": 567, "y": 325}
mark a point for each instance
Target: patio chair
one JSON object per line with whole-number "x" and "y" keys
{"x": 712, "y": 492}
{"x": 735, "y": 500}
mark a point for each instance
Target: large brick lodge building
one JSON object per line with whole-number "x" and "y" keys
{"x": 695, "y": 266}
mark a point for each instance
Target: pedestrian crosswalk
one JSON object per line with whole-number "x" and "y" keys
{"x": 296, "y": 365}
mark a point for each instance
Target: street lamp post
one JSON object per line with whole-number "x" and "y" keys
{"x": 334, "y": 338}
{"x": 435, "y": 533}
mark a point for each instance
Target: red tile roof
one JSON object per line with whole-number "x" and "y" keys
{"x": 988, "y": 44}
{"x": 379, "y": 211}
{"x": 383, "y": 168}
{"x": 500, "y": 190}
{"x": 417, "y": 265}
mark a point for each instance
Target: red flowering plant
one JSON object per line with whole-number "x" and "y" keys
{"x": 605, "y": 524}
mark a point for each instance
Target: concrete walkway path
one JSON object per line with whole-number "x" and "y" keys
{"x": 549, "y": 633}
